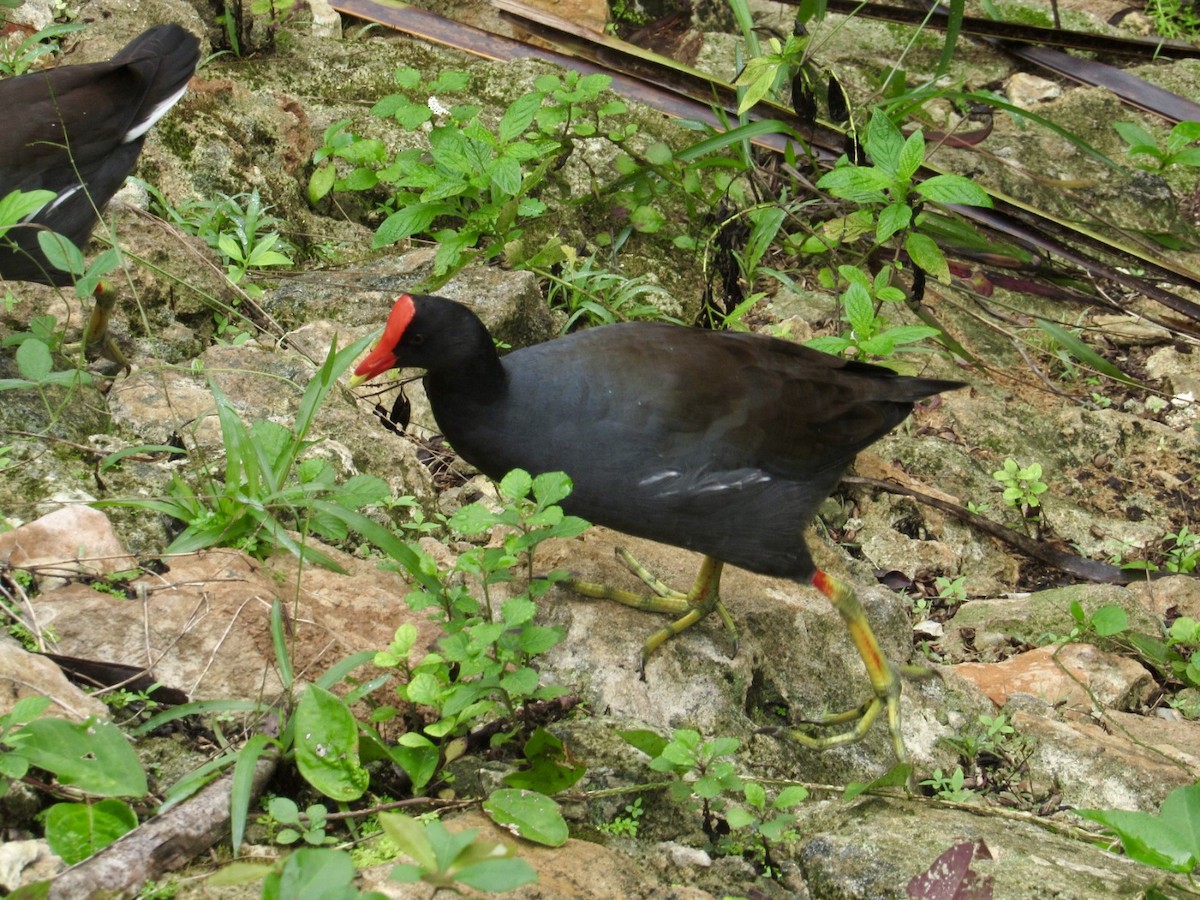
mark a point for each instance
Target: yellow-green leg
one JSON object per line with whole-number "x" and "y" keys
{"x": 884, "y": 679}
{"x": 95, "y": 335}
{"x": 703, "y": 598}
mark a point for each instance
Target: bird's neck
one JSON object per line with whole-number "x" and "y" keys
{"x": 481, "y": 379}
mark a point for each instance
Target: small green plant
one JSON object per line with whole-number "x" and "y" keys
{"x": 1022, "y": 485}
{"x": 483, "y": 665}
{"x": 309, "y": 826}
{"x": 442, "y": 859}
{"x": 739, "y": 816}
{"x": 1177, "y": 19}
{"x": 19, "y": 58}
{"x": 869, "y": 334}
{"x": 1179, "y": 149}
{"x": 474, "y": 188}
{"x": 267, "y": 490}
{"x": 952, "y": 590}
{"x": 1184, "y": 553}
{"x": 239, "y": 227}
{"x": 590, "y": 294}
{"x": 949, "y": 787}
{"x": 625, "y": 824}
{"x": 889, "y": 199}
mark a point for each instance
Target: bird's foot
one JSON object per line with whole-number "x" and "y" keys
{"x": 690, "y": 608}
{"x": 885, "y": 678}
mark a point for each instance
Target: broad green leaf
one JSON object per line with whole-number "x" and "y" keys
{"x": 516, "y": 485}
{"x": 326, "y": 745}
{"x": 1109, "y": 620}
{"x": 1165, "y": 842}
{"x": 649, "y": 742}
{"x": 497, "y": 875}
{"x": 412, "y": 219}
{"x": 529, "y": 815}
{"x": 321, "y": 182}
{"x": 320, "y": 873}
{"x": 34, "y": 360}
{"x": 76, "y": 831}
{"x": 417, "y": 756}
{"x": 94, "y": 756}
{"x": 860, "y": 311}
{"x": 1135, "y": 134}
{"x": 551, "y": 487}
{"x": 858, "y": 184}
{"x": 61, "y": 252}
{"x": 884, "y": 143}
{"x": 912, "y": 154}
{"x": 897, "y": 776}
{"x": 17, "y": 205}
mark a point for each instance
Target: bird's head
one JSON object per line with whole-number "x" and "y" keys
{"x": 422, "y": 332}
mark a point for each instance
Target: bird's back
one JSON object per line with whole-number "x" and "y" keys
{"x": 78, "y": 130}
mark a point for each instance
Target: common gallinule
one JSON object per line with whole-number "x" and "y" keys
{"x": 721, "y": 443}
{"x": 77, "y": 131}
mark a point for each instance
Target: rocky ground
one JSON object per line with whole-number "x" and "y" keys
{"x": 1092, "y": 727}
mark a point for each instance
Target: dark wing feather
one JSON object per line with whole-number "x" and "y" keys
{"x": 77, "y": 126}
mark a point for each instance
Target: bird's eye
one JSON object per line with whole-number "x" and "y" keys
{"x": 416, "y": 339}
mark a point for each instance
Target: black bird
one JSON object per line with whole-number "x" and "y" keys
{"x": 77, "y": 131}
{"x": 720, "y": 443}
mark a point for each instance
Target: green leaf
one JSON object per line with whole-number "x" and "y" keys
{"x": 519, "y": 116}
{"x": 926, "y": 254}
{"x": 791, "y": 796}
{"x": 418, "y": 757}
{"x": 363, "y": 490}
{"x": 953, "y": 189}
{"x": 1135, "y": 134}
{"x": 516, "y": 485}
{"x": 18, "y": 205}
{"x": 94, "y": 756}
{"x": 912, "y": 154}
{"x": 410, "y": 839}
{"x": 412, "y": 219}
{"x": 321, "y": 873}
{"x": 1109, "y": 620}
{"x": 649, "y": 742}
{"x": 885, "y": 144}
{"x": 860, "y": 311}
{"x": 497, "y": 875}
{"x": 76, "y": 831}
{"x": 897, "y": 776}
{"x": 858, "y": 184}
{"x": 909, "y": 334}
{"x": 505, "y": 174}
{"x": 1170, "y": 840}
{"x": 894, "y": 217}
{"x": 529, "y": 815}
{"x": 551, "y": 487}
{"x": 326, "y": 745}
{"x": 646, "y": 219}
{"x": 61, "y": 252}
{"x": 34, "y": 360}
